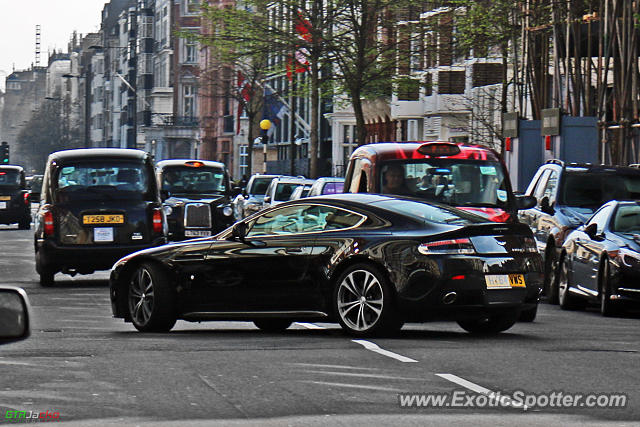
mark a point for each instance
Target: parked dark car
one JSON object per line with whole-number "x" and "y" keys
{"x": 97, "y": 206}
{"x": 35, "y": 186}
{"x": 600, "y": 261}
{"x": 15, "y": 205}
{"x": 251, "y": 199}
{"x": 469, "y": 177}
{"x": 568, "y": 194}
{"x": 369, "y": 262}
{"x": 197, "y": 197}
{"x": 326, "y": 185}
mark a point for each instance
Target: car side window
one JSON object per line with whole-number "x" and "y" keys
{"x": 600, "y": 218}
{"x": 302, "y": 219}
{"x": 551, "y": 187}
{"x": 540, "y": 185}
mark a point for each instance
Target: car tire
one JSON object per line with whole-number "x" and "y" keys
{"x": 490, "y": 324}
{"x": 607, "y": 307}
{"x": 364, "y": 302}
{"x": 529, "y": 314}
{"x": 272, "y": 325}
{"x": 566, "y": 300}
{"x": 150, "y": 299}
{"x": 46, "y": 272}
{"x": 551, "y": 277}
{"x": 24, "y": 224}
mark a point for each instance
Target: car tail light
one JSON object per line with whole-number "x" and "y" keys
{"x": 26, "y": 198}
{"x": 453, "y": 246}
{"x": 157, "y": 221}
{"x": 48, "y": 223}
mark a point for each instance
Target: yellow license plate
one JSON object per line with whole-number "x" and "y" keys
{"x": 103, "y": 219}
{"x": 504, "y": 281}
{"x": 5, "y": 197}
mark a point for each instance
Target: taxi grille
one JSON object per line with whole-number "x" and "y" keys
{"x": 197, "y": 215}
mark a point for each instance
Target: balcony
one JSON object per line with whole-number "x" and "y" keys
{"x": 185, "y": 121}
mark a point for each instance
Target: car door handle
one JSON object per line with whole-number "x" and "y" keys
{"x": 293, "y": 250}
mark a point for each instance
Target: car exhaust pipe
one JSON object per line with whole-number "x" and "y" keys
{"x": 449, "y": 298}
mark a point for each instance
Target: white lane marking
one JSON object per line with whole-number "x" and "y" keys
{"x": 363, "y": 387}
{"x": 505, "y": 400}
{"x": 360, "y": 375}
{"x": 317, "y": 365}
{"x": 374, "y": 347}
{"x": 310, "y": 325}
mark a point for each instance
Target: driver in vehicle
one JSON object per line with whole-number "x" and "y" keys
{"x": 393, "y": 181}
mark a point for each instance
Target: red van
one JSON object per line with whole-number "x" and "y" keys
{"x": 469, "y": 177}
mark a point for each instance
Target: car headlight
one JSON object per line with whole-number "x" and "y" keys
{"x": 629, "y": 258}
{"x": 227, "y": 211}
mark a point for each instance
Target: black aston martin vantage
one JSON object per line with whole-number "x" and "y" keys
{"x": 370, "y": 262}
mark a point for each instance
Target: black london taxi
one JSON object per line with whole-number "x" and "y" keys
{"x": 97, "y": 205}
{"x": 196, "y": 197}
{"x": 15, "y": 205}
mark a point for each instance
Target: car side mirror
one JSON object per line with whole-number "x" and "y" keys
{"x": 591, "y": 230}
{"x": 14, "y": 314}
{"x": 545, "y": 206}
{"x": 267, "y": 199}
{"x": 239, "y": 231}
{"x": 525, "y": 202}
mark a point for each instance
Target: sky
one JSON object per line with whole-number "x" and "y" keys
{"x": 57, "y": 19}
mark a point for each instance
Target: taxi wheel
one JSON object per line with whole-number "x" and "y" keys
{"x": 150, "y": 300}
{"x": 364, "y": 302}
{"x": 491, "y": 324}
{"x": 272, "y": 325}
{"x": 529, "y": 314}
{"x": 46, "y": 273}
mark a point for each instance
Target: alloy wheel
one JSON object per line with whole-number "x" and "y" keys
{"x": 360, "y": 300}
{"x": 141, "y": 296}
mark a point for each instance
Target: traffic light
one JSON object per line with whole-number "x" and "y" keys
{"x": 4, "y": 153}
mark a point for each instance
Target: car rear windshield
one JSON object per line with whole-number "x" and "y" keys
{"x": 104, "y": 180}
{"x": 259, "y": 186}
{"x": 333, "y": 188}
{"x": 455, "y": 182}
{"x": 285, "y": 190}
{"x": 430, "y": 213}
{"x": 9, "y": 178}
{"x": 593, "y": 189}
{"x": 191, "y": 180}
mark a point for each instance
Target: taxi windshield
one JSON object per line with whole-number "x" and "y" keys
{"x": 102, "y": 180}
{"x": 192, "y": 180}
{"x": 455, "y": 182}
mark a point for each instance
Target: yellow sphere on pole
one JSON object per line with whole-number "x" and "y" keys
{"x": 265, "y": 124}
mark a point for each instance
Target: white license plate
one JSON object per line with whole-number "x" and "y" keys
{"x": 504, "y": 281}
{"x": 197, "y": 233}
{"x": 103, "y": 234}
{"x": 3, "y": 205}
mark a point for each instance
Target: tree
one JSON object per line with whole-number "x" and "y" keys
{"x": 38, "y": 138}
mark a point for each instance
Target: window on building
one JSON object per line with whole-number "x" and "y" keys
{"x": 190, "y": 51}
{"x": 244, "y": 157}
{"x": 189, "y": 101}
{"x": 192, "y": 7}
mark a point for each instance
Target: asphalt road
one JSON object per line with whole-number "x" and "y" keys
{"x": 92, "y": 369}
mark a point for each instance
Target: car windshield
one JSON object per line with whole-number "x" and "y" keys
{"x": 431, "y": 213}
{"x": 627, "y": 219}
{"x": 9, "y": 178}
{"x": 592, "y": 190}
{"x": 259, "y": 186}
{"x": 102, "y": 180}
{"x": 192, "y": 180}
{"x": 455, "y": 182}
